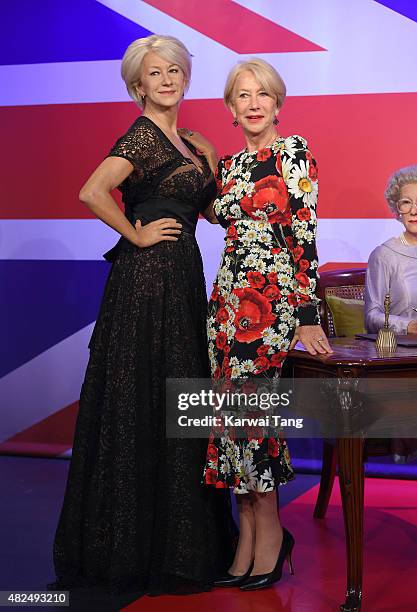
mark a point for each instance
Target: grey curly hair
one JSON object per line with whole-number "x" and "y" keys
{"x": 400, "y": 178}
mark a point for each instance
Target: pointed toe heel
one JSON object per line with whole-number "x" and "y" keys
{"x": 229, "y": 580}
{"x": 262, "y": 581}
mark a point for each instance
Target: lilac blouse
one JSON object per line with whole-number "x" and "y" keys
{"x": 392, "y": 268}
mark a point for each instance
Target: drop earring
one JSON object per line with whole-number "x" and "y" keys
{"x": 275, "y": 121}
{"x": 235, "y": 123}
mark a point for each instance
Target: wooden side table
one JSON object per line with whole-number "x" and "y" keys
{"x": 356, "y": 359}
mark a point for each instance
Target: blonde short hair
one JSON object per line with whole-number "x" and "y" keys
{"x": 400, "y": 178}
{"x": 169, "y": 48}
{"x": 264, "y": 73}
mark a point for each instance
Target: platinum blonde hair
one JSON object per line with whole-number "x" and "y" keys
{"x": 169, "y": 48}
{"x": 264, "y": 73}
{"x": 400, "y": 178}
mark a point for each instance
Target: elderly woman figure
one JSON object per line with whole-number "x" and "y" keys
{"x": 392, "y": 266}
{"x": 263, "y": 297}
{"x": 135, "y": 514}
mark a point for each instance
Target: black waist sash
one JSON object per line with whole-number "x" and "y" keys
{"x": 153, "y": 209}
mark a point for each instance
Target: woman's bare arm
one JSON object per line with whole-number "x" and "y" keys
{"x": 96, "y": 195}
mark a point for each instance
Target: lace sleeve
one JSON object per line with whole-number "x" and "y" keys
{"x": 135, "y": 146}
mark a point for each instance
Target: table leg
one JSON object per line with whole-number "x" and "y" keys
{"x": 351, "y": 480}
{"x": 328, "y": 472}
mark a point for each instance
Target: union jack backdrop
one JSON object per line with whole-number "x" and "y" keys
{"x": 350, "y": 70}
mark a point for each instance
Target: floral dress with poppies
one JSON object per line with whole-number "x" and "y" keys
{"x": 265, "y": 287}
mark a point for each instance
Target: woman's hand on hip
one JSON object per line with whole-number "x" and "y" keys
{"x": 313, "y": 338}
{"x": 157, "y": 231}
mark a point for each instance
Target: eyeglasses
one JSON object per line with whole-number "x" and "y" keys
{"x": 405, "y": 205}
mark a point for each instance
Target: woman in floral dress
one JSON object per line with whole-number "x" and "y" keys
{"x": 263, "y": 300}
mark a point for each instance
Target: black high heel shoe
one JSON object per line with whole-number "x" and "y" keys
{"x": 228, "y": 580}
{"x": 263, "y": 580}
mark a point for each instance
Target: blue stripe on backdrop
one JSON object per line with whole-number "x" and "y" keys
{"x": 47, "y": 301}
{"x": 57, "y": 31}
{"x": 408, "y": 8}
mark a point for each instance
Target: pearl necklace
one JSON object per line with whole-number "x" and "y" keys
{"x": 404, "y": 240}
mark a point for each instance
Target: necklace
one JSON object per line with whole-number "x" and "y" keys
{"x": 267, "y": 144}
{"x": 404, "y": 240}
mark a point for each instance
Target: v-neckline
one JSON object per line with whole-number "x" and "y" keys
{"x": 198, "y": 167}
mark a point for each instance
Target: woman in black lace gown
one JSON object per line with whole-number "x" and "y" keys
{"x": 136, "y": 515}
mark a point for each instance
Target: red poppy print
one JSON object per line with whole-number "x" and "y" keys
{"x": 273, "y": 447}
{"x": 232, "y": 233}
{"x": 256, "y": 280}
{"x": 278, "y": 358}
{"x": 211, "y": 476}
{"x": 263, "y": 350}
{"x": 272, "y": 277}
{"x": 228, "y": 186}
{"x": 215, "y": 293}
{"x": 270, "y": 198}
{"x": 297, "y": 252}
{"x": 227, "y": 164}
{"x": 313, "y": 173}
{"x": 303, "y": 265}
{"x": 212, "y": 452}
{"x": 222, "y": 316}
{"x": 278, "y": 164}
{"x": 261, "y": 364}
{"x": 292, "y": 299}
{"x": 304, "y": 214}
{"x": 263, "y": 154}
{"x": 253, "y": 315}
{"x": 302, "y": 279}
{"x": 271, "y": 292}
{"x": 221, "y": 340}
{"x": 290, "y": 242}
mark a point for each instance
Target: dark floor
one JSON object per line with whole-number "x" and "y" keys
{"x": 32, "y": 491}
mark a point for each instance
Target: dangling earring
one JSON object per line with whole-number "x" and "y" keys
{"x": 235, "y": 123}
{"x": 143, "y": 98}
{"x": 275, "y": 121}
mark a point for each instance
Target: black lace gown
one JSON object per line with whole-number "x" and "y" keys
{"x": 136, "y": 515}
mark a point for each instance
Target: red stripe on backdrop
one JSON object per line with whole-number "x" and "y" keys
{"x": 229, "y": 23}
{"x": 49, "y": 151}
{"x": 49, "y": 437}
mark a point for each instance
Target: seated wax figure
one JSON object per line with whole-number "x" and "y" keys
{"x": 392, "y": 268}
